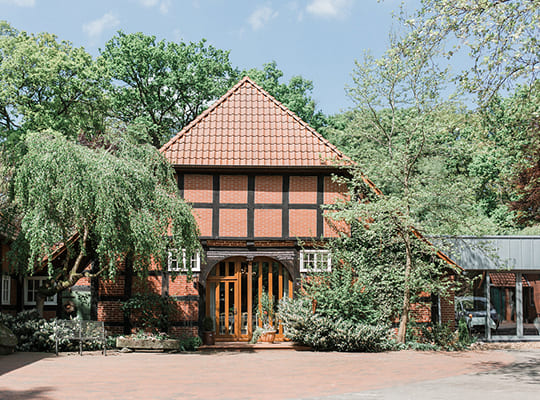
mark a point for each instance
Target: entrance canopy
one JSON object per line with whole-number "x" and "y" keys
{"x": 507, "y": 269}
{"x": 518, "y": 253}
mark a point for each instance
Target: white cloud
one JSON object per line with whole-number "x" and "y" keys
{"x": 149, "y": 3}
{"x": 329, "y": 8}
{"x": 261, "y": 16}
{"x": 162, "y": 5}
{"x": 19, "y": 3}
{"x": 96, "y": 27}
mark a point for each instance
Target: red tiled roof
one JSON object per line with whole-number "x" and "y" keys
{"x": 249, "y": 128}
{"x": 506, "y": 279}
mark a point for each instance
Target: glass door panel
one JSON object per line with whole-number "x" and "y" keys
{"x": 233, "y": 295}
{"x": 531, "y": 304}
{"x": 503, "y": 318}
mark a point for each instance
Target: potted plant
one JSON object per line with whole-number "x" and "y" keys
{"x": 209, "y": 337}
{"x": 266, "y": 315}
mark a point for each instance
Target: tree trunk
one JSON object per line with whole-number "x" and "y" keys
{"x": 404, "y": 320}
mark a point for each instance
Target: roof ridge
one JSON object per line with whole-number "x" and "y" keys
{"x": 203, "y": 115}
{"x": 228, "y": 94}
{"x": 298, "y": 119}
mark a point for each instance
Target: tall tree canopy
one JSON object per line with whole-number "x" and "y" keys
{"x": 162, "y": 85}
{"x": 502, "y": 37}
{"x": 296, "y": 95}
{"x": 47, "y": 83}
{"x": 118, "y": 199}
{"x": 405, "y": 136}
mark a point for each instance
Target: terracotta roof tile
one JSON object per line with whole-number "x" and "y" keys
{"x": 249, "y": 128}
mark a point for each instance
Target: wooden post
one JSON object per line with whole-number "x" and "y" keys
{"x": 250, "y": 298}
{"x": 226, "y": 307}
{"x": 280, "y": 293}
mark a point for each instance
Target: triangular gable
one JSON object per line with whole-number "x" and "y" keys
{"x": 247, "y": 127}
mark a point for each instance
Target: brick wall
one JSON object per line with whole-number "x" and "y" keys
{"x": 268, "y": 189}
{"x": 303, "y": 190}
{"x": 302, "y": 223}
{"x": 110, "y": 311}
{"x": 448, "y": 315}
{"x": 198, "y": 188}
{"x": 232, "y": 222}
{"x": 268, "y": 223}
{"x": 263, "y": 215}
{"x": 182, "y": 286}
{"x": 112, "y": 294}
{"x": 333, "y": 191}
{"x": 233, "y": 189}
{"x": 203, "y": 216}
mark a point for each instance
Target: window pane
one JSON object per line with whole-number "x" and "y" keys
{"x": 531, "y": 304}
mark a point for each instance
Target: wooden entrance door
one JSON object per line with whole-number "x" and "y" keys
{"x": 233, "y": 290}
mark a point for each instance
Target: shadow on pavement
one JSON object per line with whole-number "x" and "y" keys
{"x": 39, "y": 393}
{"x": 14, "y": 361}
{"x": 523, "y": 371}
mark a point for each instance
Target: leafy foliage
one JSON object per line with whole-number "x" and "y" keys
{"x": 150, "y": 311}
{"x": 164, "y": 85}
{"x": 37, "y": 334}
{"x": 502, "y": 39}
{"x": 111, "y": 202}
{"x": 325, "y": 333}
{"x": 435, "y": 337}
{"x": 48, "y": 84}
{"x": 337, "y": 311}
{"x": 266, "y": 310}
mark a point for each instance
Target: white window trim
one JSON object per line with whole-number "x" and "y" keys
{"x": 304, "y": 268}
{"x": 195, "y": 261}
{"x": 49, "y": 301}
{"x": 6, "y": 290}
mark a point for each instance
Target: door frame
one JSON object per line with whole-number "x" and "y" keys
{"x": 236, "y": 280}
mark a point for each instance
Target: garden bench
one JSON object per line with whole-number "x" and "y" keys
{"x": 80, "y": 330}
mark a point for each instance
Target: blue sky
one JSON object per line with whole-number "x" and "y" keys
{"x": 317, "y": 39}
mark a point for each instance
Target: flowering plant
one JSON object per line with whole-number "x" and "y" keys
{"x": 265, "y": 310}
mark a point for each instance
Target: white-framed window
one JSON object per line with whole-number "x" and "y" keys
{"x": 31, "y": 286}
{"x": 6, "y": 290}
{"x": 315, "y": 261}
{"x": 177, "y": 261}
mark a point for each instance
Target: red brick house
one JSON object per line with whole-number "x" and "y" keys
{"x": 256, "y": 176}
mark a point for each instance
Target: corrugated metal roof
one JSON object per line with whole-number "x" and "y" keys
{"x": 249, "y": 128}
{"x": 519, "y": 253}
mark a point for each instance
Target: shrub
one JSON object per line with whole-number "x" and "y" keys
{"x": 37, "y": 334}
{"x": 436, "y": 337}
{"x": 190, "y": 343}
{"x": 150, "y": 311}
{"x": 328, "y": 333}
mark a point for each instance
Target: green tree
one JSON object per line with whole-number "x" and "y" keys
{"x": 115, "y": 200}
{"x": 47, "y": 84}
{"x": 164, "y": 85}
{"x": 501, "y": 36}
{"x": 296, "y": 95}
{"x": 504, "y": 141}
{"x": 405, "y": 139}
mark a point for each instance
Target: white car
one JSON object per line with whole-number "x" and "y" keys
{"x": 473, "y": 310}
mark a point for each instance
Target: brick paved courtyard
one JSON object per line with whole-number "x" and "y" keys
{"x": 246, "y": 375}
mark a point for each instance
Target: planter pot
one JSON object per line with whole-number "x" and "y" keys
{"x": 147, "y": 344}
{"x": 209, "y": 338}
{"x": 268, "y": 336}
